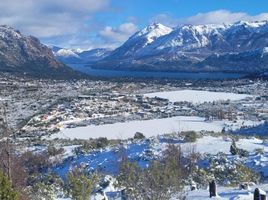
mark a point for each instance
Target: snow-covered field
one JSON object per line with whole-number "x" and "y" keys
{"x": 150, "y": 128}
{"x": 226, "y": 193}
{"x": 197, "y": 96}
{"x": 106, "y": 160}
{"x": 207, "y": 145}
{"x": 147, "y": 127}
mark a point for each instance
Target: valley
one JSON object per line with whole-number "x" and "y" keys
{"x": 87, "y": 123}
{"x": 170, "y": 109}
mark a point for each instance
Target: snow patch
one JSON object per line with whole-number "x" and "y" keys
{"x": 197, "y": 96}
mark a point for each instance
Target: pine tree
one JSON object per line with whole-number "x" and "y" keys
{"x": 233, "y": 148}
{"x": 80, "y": 184}
{"x": 6, "y": 190}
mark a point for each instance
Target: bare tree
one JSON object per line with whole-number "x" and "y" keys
{"x": 6, "y": 134}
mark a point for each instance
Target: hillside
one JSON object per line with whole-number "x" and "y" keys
{"x": 26, "y": 55}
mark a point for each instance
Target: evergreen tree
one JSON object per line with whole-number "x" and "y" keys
{"x": 80, "y": 184}
{"x": 6, "y": 190}
{"x": 233, "y": 148}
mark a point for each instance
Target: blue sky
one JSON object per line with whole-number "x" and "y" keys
{"x": 90, "y": 24}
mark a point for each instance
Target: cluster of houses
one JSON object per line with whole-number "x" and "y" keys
{"x": 108, "y": 107}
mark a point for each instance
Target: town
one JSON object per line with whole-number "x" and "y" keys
{"x": 76, "y": 118}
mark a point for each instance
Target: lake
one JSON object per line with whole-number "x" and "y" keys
{"x": 146, "y": 74}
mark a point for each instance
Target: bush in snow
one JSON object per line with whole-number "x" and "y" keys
{"x": 259, "y": 151}
{"x": 6, "y": 190}
{"x": 189, "y": 136}
{"x": 236, "y": 151}
{"x": 42, "y": 191}
{"x": 225, "y": 170}
{"x": 100, "y": 143}
{"x": 139, "y": 136}
{"x": 162, "y": 179}
{"x": 80, "y": 184}
{"x": 233, "y": 148}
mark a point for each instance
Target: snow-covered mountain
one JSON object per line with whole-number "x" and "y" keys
{"x": 250, "y": 61}
{"x": 192, "y": 48}
{"x": 94, "y": 54}
{"x": 65, "y": 55}
{"x": 139, "y": 41}
{"x": 25, "y": 54}
{"x": 73, "y": 56}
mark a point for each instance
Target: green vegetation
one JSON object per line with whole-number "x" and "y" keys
{"x": 139, "y": 136}
{"x": 80, "y": 184}
{"x": 160, "y": 180}
{"x": 225, "y": 172}
{"x": 234, "y": 150}
{"x": 189, "y": 136}
{"x": 6, "y": 190}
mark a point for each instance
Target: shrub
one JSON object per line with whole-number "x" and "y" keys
{"x": 43, "y": 191}
{"x": 259, "y": 151}
{"x": 236, "y": 151}
{"x": 190, "y": 136}
{"x": 162, "y": 179}
{"x": 139, "y": 136}
{"x": 80, "y": 184}
{"x": 53, "y": 151}
{"x": 228, "y": 171}
{"x": 233, "y": 148}
{"x": 6, "y": 190}
{"x": 100, "y": 143}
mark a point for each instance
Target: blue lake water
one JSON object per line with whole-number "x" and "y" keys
{"x": 146, "y": 74}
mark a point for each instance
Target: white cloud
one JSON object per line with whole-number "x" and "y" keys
{"x": 119, "y": 34}
{"x": 74, "y": 23}
{"x": 213, "y": 17}
{"x": 224, "y": 16}
{"x": 47, "y": 18}
{"x": 166, "y": 19}
{"x": 66, "y": 23}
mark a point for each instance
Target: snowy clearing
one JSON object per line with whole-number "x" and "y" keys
{"x": 150, "y": 128}
{"x": 147, "y": 127}
{"x": 197, "y": 96}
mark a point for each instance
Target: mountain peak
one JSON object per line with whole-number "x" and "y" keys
{"x": 7, "y": 31}
{"x": 153, "y": 31}
{"x": 66, "y": 53}
{"x": 140, "y": 40}
{"x": 253, "y": 24}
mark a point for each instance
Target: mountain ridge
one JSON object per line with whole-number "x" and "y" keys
{"x": 72, "y": 56}
{"x": 188, "y": 47}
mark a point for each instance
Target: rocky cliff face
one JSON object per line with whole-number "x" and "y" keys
{"x": 25, "y": 54}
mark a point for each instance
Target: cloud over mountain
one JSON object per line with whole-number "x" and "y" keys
{"x": 119, "y": 34}
{"x": 212, "y": 17}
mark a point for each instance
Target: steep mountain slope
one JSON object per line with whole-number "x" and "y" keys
{"x": 251, "y": 61}
{"x": 94, "y": 54}
{"x": 193, "y": 48}
{"x": 139, "y": 41}
{"x": 26, "y": 55}
{"x": 203, "y": 39}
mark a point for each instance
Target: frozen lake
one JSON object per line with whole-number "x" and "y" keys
{"x": 197, "y": 96}
{"x": 147, "y": 127}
